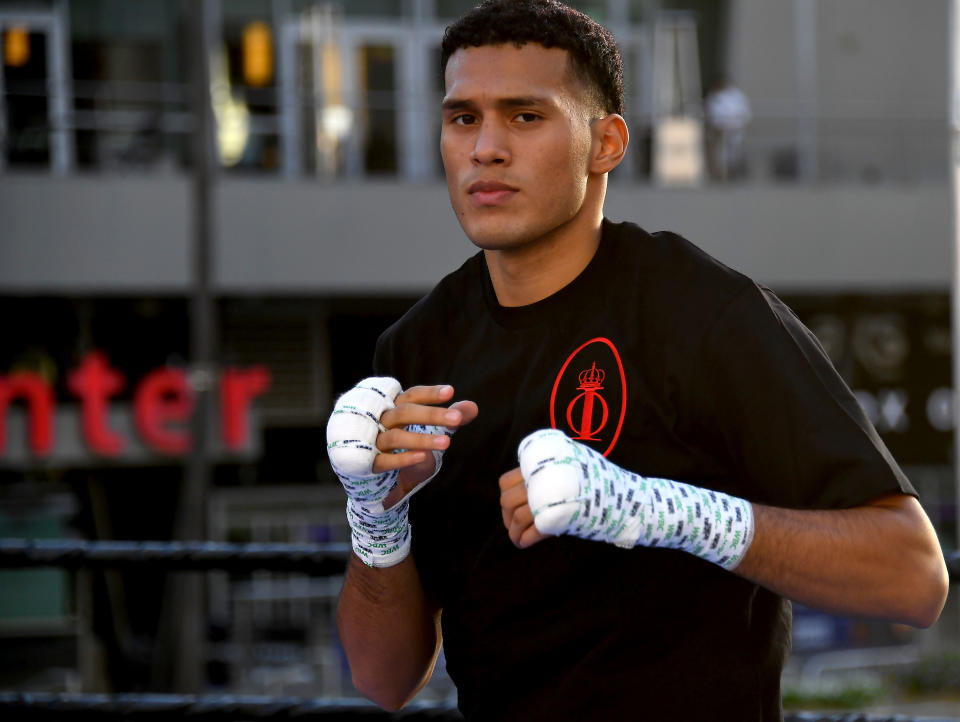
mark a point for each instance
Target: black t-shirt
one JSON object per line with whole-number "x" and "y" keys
{"x": 674, "y": 366}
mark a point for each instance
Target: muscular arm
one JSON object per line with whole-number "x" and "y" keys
{"x": 388, "y": 627}
{"x": 389, "y": 630}
{"x": 881, "y": 559}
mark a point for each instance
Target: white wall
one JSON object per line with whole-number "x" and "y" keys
{"x": 76, "y": 235}
{"x": 875, "y": 84}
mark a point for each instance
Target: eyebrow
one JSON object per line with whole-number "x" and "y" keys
{"x": 520, "y": 101}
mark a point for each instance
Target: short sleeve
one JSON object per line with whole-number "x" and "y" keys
{"x": 766, "y": 396}
{"x": 381, "y": 365}
{"x": 385, "y": 357}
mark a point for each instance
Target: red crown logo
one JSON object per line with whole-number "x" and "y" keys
{"x": 591, "y": 378}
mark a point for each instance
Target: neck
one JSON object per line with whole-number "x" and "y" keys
{"x": 535, "y": 270}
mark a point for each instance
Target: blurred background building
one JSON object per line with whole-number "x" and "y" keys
{"x": 329, "y": 216}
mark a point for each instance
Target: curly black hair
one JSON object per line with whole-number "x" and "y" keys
{"x": 595, "y": 57}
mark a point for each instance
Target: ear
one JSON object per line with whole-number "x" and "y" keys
{"x": 610, "y": 140}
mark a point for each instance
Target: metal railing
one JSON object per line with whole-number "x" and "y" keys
{"x": 317, "y": 559}
{"x": 220, "y": 708}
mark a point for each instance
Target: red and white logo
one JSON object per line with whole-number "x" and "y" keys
{"x": 589, "y": 397}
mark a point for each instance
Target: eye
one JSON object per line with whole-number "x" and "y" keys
{"x": 527, "y": 117}
{"x": 463, "y": 119}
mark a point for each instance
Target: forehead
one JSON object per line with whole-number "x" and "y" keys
{"x": 508, "y": 70}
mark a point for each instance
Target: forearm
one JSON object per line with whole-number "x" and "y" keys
{"x": 378, "y": 439}
{"x": 389, "y": 631}
{"x": 879, "y": 560}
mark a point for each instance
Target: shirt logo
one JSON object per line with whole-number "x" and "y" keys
{"x": 591, "y": 384}
{"x": 589, "y": 397}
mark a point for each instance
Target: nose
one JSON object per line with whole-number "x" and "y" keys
{"x": 490, "y": 146}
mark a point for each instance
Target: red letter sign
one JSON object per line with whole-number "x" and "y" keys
{"x": 237, "y": 389}
{"x": 39, "y": 397}
{"x": 163, "y": 396}
{"x": 94, "y": 382}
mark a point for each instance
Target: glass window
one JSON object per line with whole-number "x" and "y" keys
{"x": 372, "y": 8}
{"x": 711, "y": 17}
{"x": 243, "y": 11}
{"x": 452, "y": 9}
{"x": 25, "y": 75}
{"x": 129, "y": 98}
{"x": 378, "y": 83}
{"x": 102, "y": 19}
{"x": 248, "y": 89}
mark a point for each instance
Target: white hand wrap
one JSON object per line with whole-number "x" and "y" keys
{"x": 381, "y": 537}
{"x": 572, "y": 489}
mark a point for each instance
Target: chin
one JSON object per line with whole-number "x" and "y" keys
{"x": 496, "y": 237}
{"x": 496, "y": 241}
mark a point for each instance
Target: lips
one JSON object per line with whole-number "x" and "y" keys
{"x": 490, "y": 193}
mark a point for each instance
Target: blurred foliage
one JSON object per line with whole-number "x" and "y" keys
{"x": 935, "y": 674}
{"x": 840, "y": 695}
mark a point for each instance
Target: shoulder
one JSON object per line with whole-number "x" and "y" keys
{"x": 435, "y": 315}
{"x": 673, "y": 271}
{"x": 662, "y": 251}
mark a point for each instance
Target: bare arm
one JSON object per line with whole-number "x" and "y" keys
{"x": 388, "y": 627}
{"x": 881, "y": 559}
{"x": 389, "y": 630}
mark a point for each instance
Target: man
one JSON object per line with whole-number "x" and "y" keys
{"x": 707, "y": 461}
{"x": 727, "y": 111}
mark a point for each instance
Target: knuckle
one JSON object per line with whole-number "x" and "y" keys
{"x": 353, "y": 427}
{"x": 438, "y": 416}
{"x": 400, "y": 412}
{"x": 418, "y": 437}
{"x": 387, "y": 439}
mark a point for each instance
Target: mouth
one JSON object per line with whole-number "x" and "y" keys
{"x": 490, "y": 193}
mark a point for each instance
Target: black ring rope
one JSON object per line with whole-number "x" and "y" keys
{"x": 319, "y": 559}
{"x": 854, "y": 717}
{"x": 204, "y": 708}
{"x": 220, "y": 708}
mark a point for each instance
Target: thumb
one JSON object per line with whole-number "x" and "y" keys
{"x": 468, "y": 412}
{"x": 412, "y": 478}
